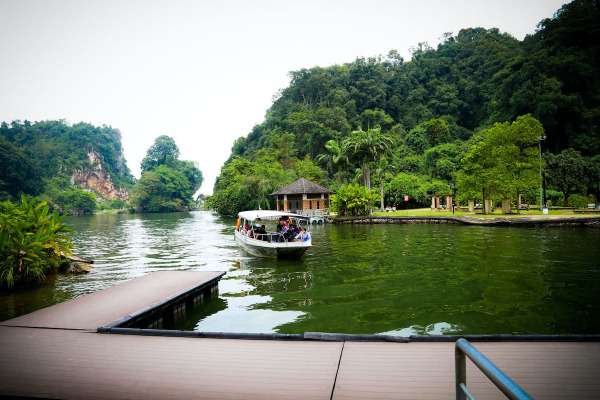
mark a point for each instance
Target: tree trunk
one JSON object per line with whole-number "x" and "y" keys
{"x": 367, "y": 176}
{"x": 381, "y": 183}
{"x": 483, "y": 201}
{"x": 518, "y": 205}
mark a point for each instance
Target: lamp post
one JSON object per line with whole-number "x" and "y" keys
{"x": 541, "y": 179}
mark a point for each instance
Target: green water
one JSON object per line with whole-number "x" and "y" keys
{"x": 364, "y": 279}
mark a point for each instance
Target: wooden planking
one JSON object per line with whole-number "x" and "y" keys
{"x": 109, "y": 305}
{"x": 79, "y": 364}
{"x": 70, "y": 362}
{"x": 426, "y": 370}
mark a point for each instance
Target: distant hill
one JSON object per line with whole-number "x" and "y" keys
{"x": 51, "y": 158}
{"x": 473, "y": 79}
{"x": 431, "y": 106}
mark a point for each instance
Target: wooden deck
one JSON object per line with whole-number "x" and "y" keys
{"x": 109, "y": 305}
{"x": 56, "y": 353}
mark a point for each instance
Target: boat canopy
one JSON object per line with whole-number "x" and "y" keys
{"x": 266, "y": 214}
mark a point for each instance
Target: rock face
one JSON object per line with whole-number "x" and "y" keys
{"x": 98, "y": 179}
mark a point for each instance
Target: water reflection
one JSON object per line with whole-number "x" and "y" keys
{"x": 394, "y": 279}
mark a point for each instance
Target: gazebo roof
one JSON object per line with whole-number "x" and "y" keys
{"x": 302, "y": 186}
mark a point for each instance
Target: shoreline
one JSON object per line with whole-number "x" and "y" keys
{"x": 534, "y": 221}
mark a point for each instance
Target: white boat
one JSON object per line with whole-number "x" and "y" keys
{"x": 272, "y": 243}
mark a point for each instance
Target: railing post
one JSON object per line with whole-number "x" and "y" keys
{"x": 495, "y": 374}
{"x": 460, "y": 368}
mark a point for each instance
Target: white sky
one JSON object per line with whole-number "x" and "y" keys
{"x": 205, "y": 72}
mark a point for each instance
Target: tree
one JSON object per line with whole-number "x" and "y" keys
{"x": 516, "y": 147}
{"x": 367, "y": 147}
{"x": 437, "y": 131}
{"x": 18, "y": 173}
{"x": 163, "y": 189}
{"x": 282, "y": 148}
{"x": 191, "y": 172}
{"x": 505, "y": 160}
{"x": 384, "y": 165}
{"x": 167, "y": 183}
{"x": 162, "y": 152}
{"x": 335, "y": 156}
{"x": 476, "y": 173}
{"x": 566, "y": 171}
{"x": 593, "y": 174}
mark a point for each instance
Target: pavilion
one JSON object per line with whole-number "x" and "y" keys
{"x": 302, "y": 195}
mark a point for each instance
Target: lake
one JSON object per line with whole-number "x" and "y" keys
{"x": 358, "y": 279}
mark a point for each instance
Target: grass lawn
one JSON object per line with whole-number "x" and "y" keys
{"x": 496, "y": 214}
{"x": 416, "y": 211}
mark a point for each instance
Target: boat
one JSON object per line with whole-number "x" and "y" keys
{"x": 270, "y": 244}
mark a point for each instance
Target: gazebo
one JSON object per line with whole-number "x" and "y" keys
{"x": 302, "y": 195}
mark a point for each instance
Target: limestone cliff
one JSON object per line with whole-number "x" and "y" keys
{"x": 98, "y": 178}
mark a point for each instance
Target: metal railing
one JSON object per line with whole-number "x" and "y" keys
{"x": 499, "y": 378}
{"x": 321, "y": 212}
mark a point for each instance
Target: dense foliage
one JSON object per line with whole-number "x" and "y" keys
{"x": 504, "y": 160}
{"x": 353, "y": 200}
{"x": 32, "y": 241}
{"x": 167, "y": 183}
{"x": 40, "y": 158}
{"x": 430, "y": 111}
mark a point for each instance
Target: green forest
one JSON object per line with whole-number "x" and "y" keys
{"x": 80, "y": 168}
{"x": 58, "y": 169}
{"x": 39, "y": 159}
{"x": 475, "y": 112}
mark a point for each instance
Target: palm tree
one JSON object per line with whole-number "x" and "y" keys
{"x": 367, "y": 147}
{"x": 384, "y": 165}
{"x": 337, "y": 156}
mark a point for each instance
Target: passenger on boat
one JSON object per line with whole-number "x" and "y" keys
{"x": 261, "y": 233}
{"x": 290, "y": 233}
{"x": 244, "y": 230}
{"x": 282, "y": 231}
{"x": 303, "y": 236}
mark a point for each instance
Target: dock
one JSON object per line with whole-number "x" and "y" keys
{"x": 58, "y": 353}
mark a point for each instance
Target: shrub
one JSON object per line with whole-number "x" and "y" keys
{"x": 578, "y": 200}
{"x": 117, "y": 203}
{"x": 32, "y": 241}
{"x": 353, "y": 200}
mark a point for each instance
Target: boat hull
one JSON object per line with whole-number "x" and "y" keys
{"x": 261, "y": 248}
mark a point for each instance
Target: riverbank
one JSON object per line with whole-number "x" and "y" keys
{"x": 473, "y": 219}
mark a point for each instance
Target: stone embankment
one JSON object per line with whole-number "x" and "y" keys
{"x": 563, "y": 220}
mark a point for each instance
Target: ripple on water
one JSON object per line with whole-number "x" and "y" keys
{"x": 396, "y": 279}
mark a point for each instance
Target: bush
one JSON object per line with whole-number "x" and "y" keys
{"x": 31, "y": 241}
{"x": 117, "y": 204}
{"x": 553, "y": 197}
{"x": 353, "y": 200}
{"x": 579, "y": 201}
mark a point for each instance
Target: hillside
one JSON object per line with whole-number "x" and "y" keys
{"x": 72, "y": 166}
{"x": 431, "y": 106}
